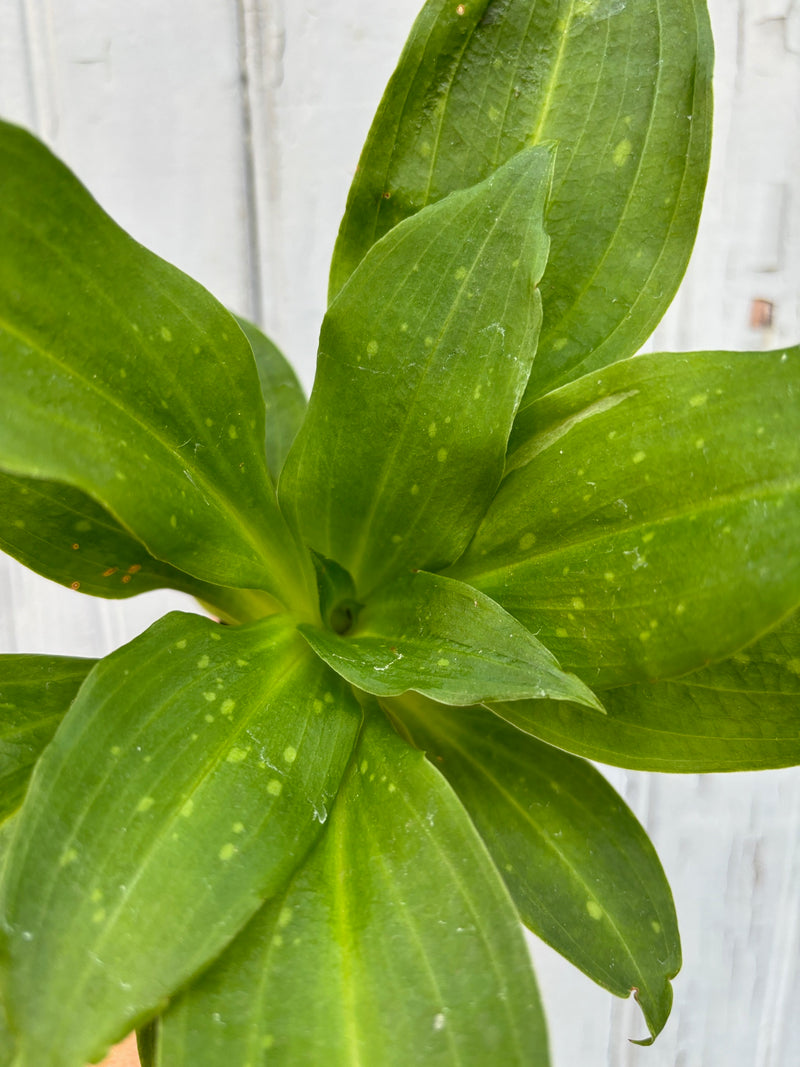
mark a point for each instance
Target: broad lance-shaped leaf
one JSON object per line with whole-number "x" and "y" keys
{"x": 35, "y": 694}
{"x": 440, "y": 637}
{"x": 650, "y": 522}
{"x": 396, "y": 944}
{"x": 284, "y": 401}
{"x": 189, "y": 778}
{"x": 422, "y": 361}
{"x": 124, "y": 378}
{"x": 580, "y": 869}
{"x": 62, "y": 534}
{"x": 624, "y": 89}
{"x": 742, "y": 714}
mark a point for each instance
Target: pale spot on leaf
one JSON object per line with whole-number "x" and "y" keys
{"x": 622, "y": 152}
{"x": 594, "y": 909}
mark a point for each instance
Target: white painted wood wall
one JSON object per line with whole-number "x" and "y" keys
{"x": 223, "y": 135}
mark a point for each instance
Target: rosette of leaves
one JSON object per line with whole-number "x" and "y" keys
{"x": 495, "y": 541}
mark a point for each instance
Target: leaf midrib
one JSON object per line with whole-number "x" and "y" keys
{"x": 708, "y": 506}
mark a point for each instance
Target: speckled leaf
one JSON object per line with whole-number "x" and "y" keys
{"x": 35, "y": 694}
{"x": 625, "y": 91}
{"x": 742, "y": 714}
{"x": 284, "y": 401}
{"x": 396, "y": 944}
{"x": 422, "y": 361}
{"x": 124, "y": 378}
{"x": 650, "y": 522}
{"x": 190, "y": 776}
{"x": 62, "y": 534}
{"x": 580, "y": 869}
{"x": 442, "y": 638}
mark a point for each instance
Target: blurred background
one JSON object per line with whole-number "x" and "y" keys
{"x": 223, "y": 136}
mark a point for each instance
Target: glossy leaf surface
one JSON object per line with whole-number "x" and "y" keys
{"x": 395, "y": 945}
{"x": 442, "y": 638}
{"x": 284, "y": 402}
{"x": 742, "y": 714}
{"x": 580, "y": 869}
{"x": 189, "y": 778}
{"x": 127, "y": 380}
{"x": 35, "y": 693}
{"x": 62, "y": 534}
{"x": 625, "y": 91}
{"x": 650, "y": 522}
{"x": 422, "y": 361}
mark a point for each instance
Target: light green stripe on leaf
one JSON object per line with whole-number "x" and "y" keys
{"x": 650, "y": 522}
{"x": 423, "y": 359}
{"x": 625, "y": 91}
{"x": 580, "y": 869}
{"x": 189, "y": 778}
{"x": 396, "y": 944}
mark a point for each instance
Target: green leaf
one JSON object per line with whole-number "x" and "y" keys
{"x": 396, "y": 944}
{"x": 742, "y": 714}
{"x": 127, "y": 380}
{"x": 580, "y": 869}
{"x": 437, "y": 636}
{"x": 189, "y": 778}
{"x": 625, "y": 91}
{"x": 284, "y": 401}
{"x": 649, "y": 523}
{"x": 338, "y": 605}
{"x": 422, "y": 361}
{"x": 146, "y": 1039}
{"x": 35, "y": 693}
{"x": 62, "y": 534}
